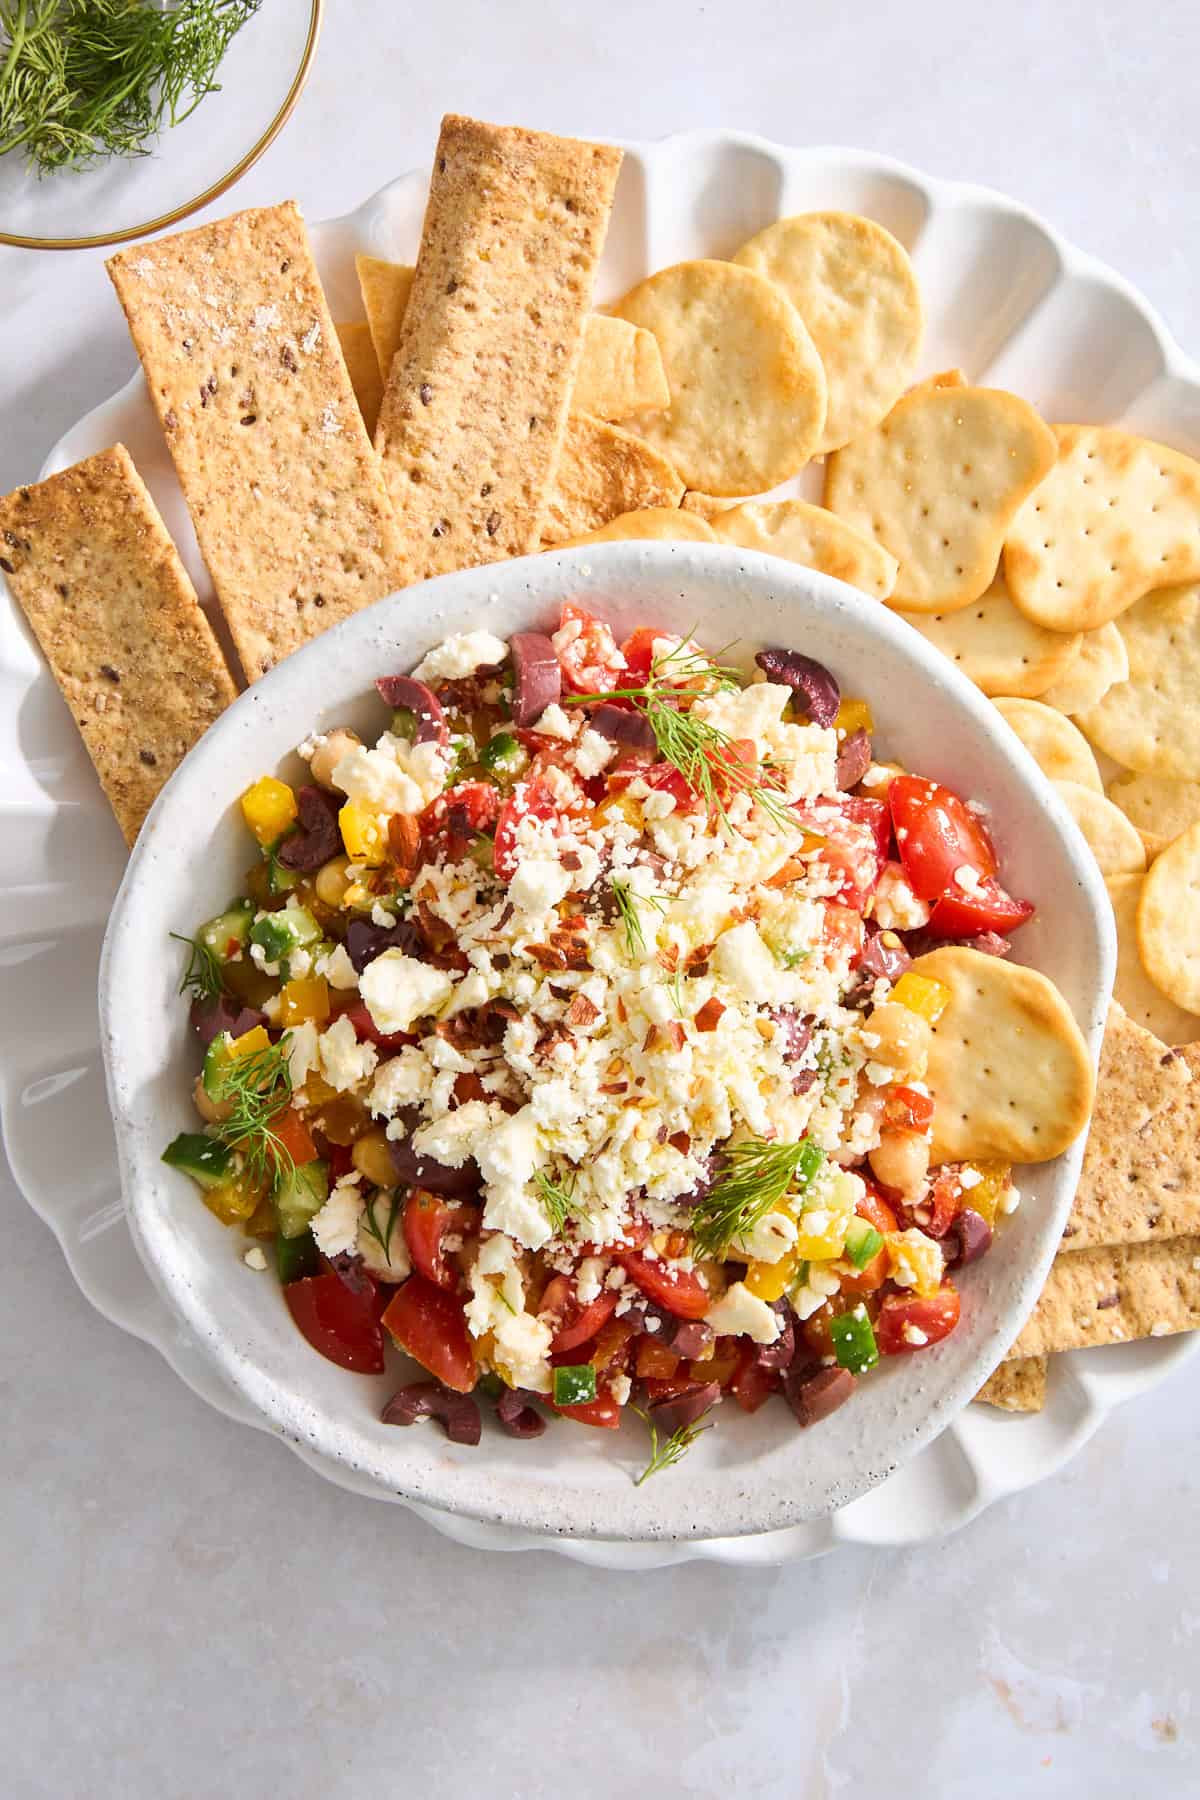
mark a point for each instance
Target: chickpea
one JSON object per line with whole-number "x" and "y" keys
{"x": 329, "y": 753}
{"x": 331, "y": 881}
{"x": 904, "y": 1039}
{"x": 901, "y": 1160}
{"x": 372, "y": 1158}
{"x": 210, "y": 1110}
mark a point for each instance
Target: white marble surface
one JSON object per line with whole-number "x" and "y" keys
{"x": 185, "y": 1610}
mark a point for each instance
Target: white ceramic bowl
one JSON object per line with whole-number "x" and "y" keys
{"x": 751, "y": 1474}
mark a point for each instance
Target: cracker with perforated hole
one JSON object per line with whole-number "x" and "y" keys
{"x": 1168, "y": 921}
{"x": 812, "y": 536}
{"x": 1140, "y": 1180}
{"x": 1101, "y": 663}
{"x": 89, "y": 562}
{"x": 1151, "y": 722}
{"x": 1112, "y": 840}
{"x": 1117, "y": 516}
{"x": 997, "y": 647}
{"x": 602, "y": 473}
{"x": 1115, "y": 1295}
{"x": 1008, "y": 1066}
{"x": 938, "y": 483}
{"x": 385, "y": 288}
{"x": 1017, "y": 1386}
{"x": 1058, "y": 748}
{"x": 662, "y": 524}
{"x": 1157, "y": 804}
{"x": 362, "y": 368}
{"x": 747, "y": 387}
{"x": 1142, "y": 999}
{"x": 854, "y": 287}
{"x": 620, "y": 372}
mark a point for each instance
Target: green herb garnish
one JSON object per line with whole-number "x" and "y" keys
{"x": 672, "y": 1449}
{"x": 371, "y": 1225}
{"x": 202, "y": 978}
{"x": 558, "y": 1201}
{"x": 627, "y": 907}
{"x": 754, "y": 1178}
{"x": 84, "y": 79}
{"x": 257, "y": 1089}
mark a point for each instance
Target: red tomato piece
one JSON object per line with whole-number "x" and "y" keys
{"x": 906, "y": 1109}
{"x": 430, "y": 1324}
{"x": 603, "y": 1412}
{"x": 588, "y": 654}
{"x": 941, "y": 1205}
{"x": 677, "y": 1291}
{"x": 528, "y": 800}
{"x": 577, "y": 1324}
{"x": 843, "y": 928}
{"x": 989, "y": 908}
{"x": 343, "y": 1325}
{"x": 752, "y": 1385}
{"x": 668, "y": 1387}
{"x": 427, "y": 1219}
{"x": 876, "y": 1211}
{"x": 638, "y": 651}
{"x": 857, "y": 834}
{"x": 934, "y": 1318}
{"x": 936, "y": 833}
{"x": 367, "y": 1032}
{"x": 477, "y": 801}
{"x": 290, "y": 1137}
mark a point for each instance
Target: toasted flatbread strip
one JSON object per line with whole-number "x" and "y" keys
{"x": 90, "y": 564}
{"x": 476, "y": 402}
{"x": 362, "y": 368}
{"x": 245, "y": 369}
{"x": 1114, "y": 1294}
{"x": 602, "y": 473}
{"x": 1017, "y": 1386}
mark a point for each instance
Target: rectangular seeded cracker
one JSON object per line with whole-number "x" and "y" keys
{"x": 1018, "y": 1386}
{"x": 90, "y": 564}
{"x": 476, "y": 401}
{"x": 1114, "y": 1294}
{"x": 244, "y": 366}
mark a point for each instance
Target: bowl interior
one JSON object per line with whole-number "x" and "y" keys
{"x": 750, "y": 1474}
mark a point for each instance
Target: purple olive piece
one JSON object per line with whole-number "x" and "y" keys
{"x": 809, "y": 681}
{"x": 692, "y": 1338}
{"x": 537, "y": 676}
{"x": 413, "y": 1170}
{"x": 213, "y": 1015}
{"x": 517, "y": 1416}
{"x": 352, "y": 1271}
{"x": 684, "y": 1409}
{"x": 422, "y": 703}
{"x": 318, "y": 837}
{"x": 430, "y": 1400}
{"x": 782, "y": 1353}
{"x": 796, "y": 1029}
{"x": 631, "y": 730}
{"x": 988, "y": 943}
{"x": 969, "y": 1238}
{"x": 365, "y": 942}
{"x": 812, "y": 1397}
{"x": 853, "y": 759}
{"x": 879, "y": 958}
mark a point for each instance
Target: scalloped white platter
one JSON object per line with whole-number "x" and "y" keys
{"x": 1007, "y": 300}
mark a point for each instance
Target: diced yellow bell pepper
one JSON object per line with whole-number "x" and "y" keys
{"x": 268, "y": 808}
{"x": 263, "y": 1221}
{"x": 250, "y": 1043}
{"x": 364, "y": 835}
{"x": 304, "y": 998}
{"x": 921, "y": 995}
{"x": 984, "y": 1197}
{"x": 854, "y": 715}
{"x": 771, "y": 1281}
{"x": 822, "y": 1227}
{"x": 915, "y": 1261}
{"x": 234, "y": 1200}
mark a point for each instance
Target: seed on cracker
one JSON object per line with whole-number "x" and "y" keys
{"x": 810, "y": 535}
{"x": 1008, "y": 1064}
{"x": 1168, "y": 921}
{"x": 1101, "y": 663}
{"x": 385, "y": 288}
{"x": 1000, "y": 650}
{"x": 747, "y": 387}
{"x": 1058, "y": 748}
{"x": 1142, "y": 999}
{"x": 665, "y": 524}
{"x": 1151, "y": 721}
{"x": 602, "y": 473}
{"x": 1018, "y": 1386}
{"x": 363, "y": 369}
{"x": 1117, "y": 516}
{"x": 1112, "y": 840}
{"x": 1114, "y": 1296}
{"x": 1157, "y": 804}
{"x": 620, "y": 372}
{"x": 938, "y": 483}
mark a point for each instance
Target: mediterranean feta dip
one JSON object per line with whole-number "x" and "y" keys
{"x": 565, "y": 1036}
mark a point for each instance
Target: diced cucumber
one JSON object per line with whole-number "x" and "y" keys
{"x": 279, "y": 933}
{"x": 227, "y": 935}
{"x": 297, "y": 1257}
{"x": 299, "y": 1197}
{"x": 208, "y": 1163}
{"x": 462, "y": 755}
{"x": 280, "y": 879}
{"x": 862, "y": 1242}
{"x": 215, "y": 1059}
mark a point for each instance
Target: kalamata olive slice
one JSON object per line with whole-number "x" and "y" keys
{"x": 880, "y": 957}
{"x": 692, "y": 1338}
{"x": 853, "y": 759}
{"x": 537, "y": 676}
{"x": 684, "y": 1409}
{"x": 213, "y": 1015}
{"x": 812, "y": 1397}
{"x": 781, "y": 1353}
{"x": 459, "y": 1413}
{"x": 414, "y": 1170}
{"x": 318, "y": 837}
{"x": 517, "y": 1415}
{"x": 631, "y": 730}
{"x": 422, "y": 703}
{"x": 364, "y": 942}
{"x": 969, "y": 1238}
{"x": 810, "y": 681}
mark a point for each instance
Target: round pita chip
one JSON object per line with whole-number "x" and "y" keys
{"x": 1009, "y": 1069}
{"x": 1145, "y": 1003}
{"x": 997, "y": 647}
{"x": 856, "y": 290}
{"x": 1059, "y": 748}
{"x": 747, "y": 386}
{"x": 1158, "y": 805}
{"x": 1102, "y": 662}
{"x": 1167, "y": 920}
{"x": 1112, "y": 840}
{"x": 812, "y": 536}
{"x": 1151, "y": 721}
{"x": 663, "y": 523}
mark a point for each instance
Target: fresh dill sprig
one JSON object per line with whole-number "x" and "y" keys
{"x": 372, "y": 1227}
{"x": 84, "y": 79}
{"x": 627, "y": 906}
{"x": 672, "y": 1449}
{"x": 558, "y": 1201}
{"x": 257, "y": 1089}
{"x": 754, "y": 1177}
{"x": 202, "y": 978}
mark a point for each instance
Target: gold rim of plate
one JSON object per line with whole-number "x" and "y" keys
{"x": 221, "y": 186}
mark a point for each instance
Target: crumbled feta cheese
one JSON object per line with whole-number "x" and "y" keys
{"x": 744, "y": 961}
{"x": 539, "y": 884}
{"x": 1010, "y": 1199}
{"x": 739, "y": 1312}
{"x": 968, "y": 1179}
{"x": 912, "y": 1334}
{"x": 967, "y": 878}
{"x": 399, "y": 990}
{"x": 460, "y": 656}
{"x": 389, "y": 1260}
{"x": 768, "y": 1240}
{"x": 344, "y": 1061}
{"x": 303, "y": 1054}
{"x": 915, "y": 1260}
{"x": 376, "y": 782}
{"x": 593, "y": 753}
{"x": 255, "y": 1259}
{"x": 894, "y": 906}
{"x": 335, "y": 1227}
{"x": 338, "y": 970}
{"x": 555, "y": 723}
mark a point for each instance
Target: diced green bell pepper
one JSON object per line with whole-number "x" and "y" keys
{"x": 209, "y": 1164}
{"x": 862, "y": 1242}
{"x": 854, "y": 1341}
{"x": 574, "y": 1384}
{"x": 227, "y": 935}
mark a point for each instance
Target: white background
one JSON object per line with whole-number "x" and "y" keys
{"x": 186, "y": 1610}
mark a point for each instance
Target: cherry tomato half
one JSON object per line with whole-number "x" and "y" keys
{"x": 936, "y": 833}
{"x": 677, "y": 1291}
{"x": 339, "y": 1322}
{"x": 367, "y": 1032}
{"x": 603, "y": 1411}
{"x": 928, "y": 1319}
{"x": 857, "y": 833}
{"x": 590, "y": 660}
{"x": 989, "y": 908}
{"x": 427, "y": 1219}
{"x": 430, "y": 1324}
{"x": 290, "y": 1137}
{"x": 577, "y": 1324}
{"x": 529, "y": 800}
